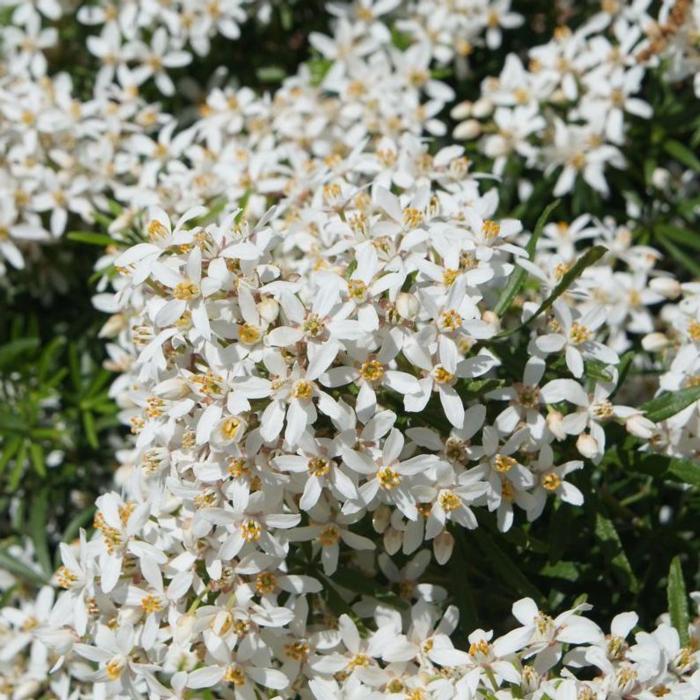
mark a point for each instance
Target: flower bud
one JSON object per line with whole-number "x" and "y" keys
{"x": 269, "y": 310}
{"x": 461, "y": 110}
{"x": 667, "y": 286}
{"x": 392, "y": 541}
{"x": 554, "y": 421}
{"x": 469, "y": 129}
{"x": 443, "y": 545}
{"x": 482, "y": 108}
{"x": 640, "y": 426}
{"x": 380, "y": 518}
{"x": 654, "y": 342}
{"x": 407, "y": 306}
{"x": 587, "y": 446}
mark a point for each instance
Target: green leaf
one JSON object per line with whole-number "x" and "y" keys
{"x": 15, "y": 566}
{"x": 15, "y": 349}
{"x": 37, "y": 530}
{"x": 682, "y": 153}
{"x": 36, "y": 452}
{"x": 90, "y": 429}
{"x": 90, "y": 237}
{"x": 270, "y": 74}
{"x": 678, "y": 600}
{"x": 615, "y": 553}
{"x": 507, "y": 570}
{"x": 567, "y": 570}
{"x": 668, "y": 404}
{"x": 679, "y": 256}
{"x": 679, "y": 235}
{"x": 519, "y": 275}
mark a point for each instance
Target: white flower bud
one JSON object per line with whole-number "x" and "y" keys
{"x": 587, "y": 446}
{"x": 392, "y": 540}
{"x": 268, "y": 309}
{"x": 554, "y": 420}
{"x": 443, "y": 545}
{"x": 380, "y": 518}
{"x": 640, "y": 426}
{"x": 407, "y": 306}
{"x": 482, "y": 108}
{"x": 667, "y": 286}
{"x": 654, "y": 342}
{"x": 461, "y": 110}
{"x": 469, "y": 129}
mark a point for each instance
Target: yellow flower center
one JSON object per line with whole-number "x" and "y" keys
{"x": 450, "y": 320}
{"x": 248, "y": 334}
{"x": 319, "y": 466}
{"x": 442, "y": 376}
{"x": 235, "y": 676}
{"x": 265, "y": 582}
{"x": 303, "y": 389}
{"x": 449, "y": 501}
{"x": 229, "y": 428}
{"x": 357, "y": 290}
{"x": 503, "y": 463}
{"x": 490, "y": 228}
{"x": 299, "y": 651}
{"x": 579, "y": 334}
{"x": 329, "y": 536}
{"x": 551, "y": 481}
{"x": 412, "y": 217}
{"x": 185, "y": 290}
{"x": 114, "y": 669}
{"x": 388, "y": 478}
{"x": 251, "y": 530}
{"x": 372, "y": 370}
{"x": 151, "y": 604}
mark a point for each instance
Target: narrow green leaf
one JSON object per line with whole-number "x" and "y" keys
{"x": 78, "y": 521}
{"x": 614, "y": 552}
{"x": 679, "y": 256}
{"x": 678, "y": 600}
{"x": 519, "y": 275}
{"x": 15, "y": 566}
{"x": 508, "y": 571}
{"x": 668, "y": 404}
{"x": 90, "y": 237}
{"x": 9, "y": 451}
{"x": 679, "y": 235}
{"x": 18, "y": 467}
{"x": 90, "y": 430}
{"x": 682, "y": 153}
{"x": 36, "y": 453}
{"x": 37, "y": 530}
{"x": 9, "y": 352}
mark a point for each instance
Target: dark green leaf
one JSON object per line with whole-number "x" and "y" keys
{"x": 678, "y": 600}
{"x": 668, "y": 404}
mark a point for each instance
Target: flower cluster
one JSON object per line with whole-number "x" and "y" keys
{"x": 335, "y": 349}
{"x": 569, "y": 108}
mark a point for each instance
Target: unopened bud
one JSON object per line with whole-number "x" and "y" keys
{"x": 661, "y": 178}
{"x": 461, "y": 110}
{"x": 407, "y": 306}
{"x": 666, "y": 286}
{"x": 443, "y": 545}
{"x": 654, "y": 342}
{"x": 469, "y": 129}
{"x": 482, "y": 108}
{"x": 269, "y": 310}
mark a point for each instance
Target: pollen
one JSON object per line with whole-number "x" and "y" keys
{"x": 251, "y": 530}
{"x": 151, "y": 604}
{"x": 372, "y": 370}
{"x": 265, "y": 582}
{"x": 528, "y": 396}
{"x": 449, "y": 276}
{"x": 603, "y": 409}
{"x": 490, "y": 228}
{"x": 503, "y": 463}
{"x": 329, "y": 536}
{"x": 249, "y": 334}
{"x": 114, "y": 669}
{"x": 314, "y": 325}
{"x": 694, "y": 331}
{"x": 357, "y": 290}
{"x": 235, "y": 676}
{"x": 412, "y": 217}
{"x": 303, "y": 389}
{"x": 442, "y": 375}
{"x": 480, "y": 647}
{"x": 449, "y": 501}
{"x": 319, "y": 466}
{"x": 229, "y": 428}
{"x": 65, "y": 577}
{"x": 450, "y": 320}
{"x": 299, "y": 651}
{"x": 185, "y": 290}
{"x": 359, "y": 661}
{"x": 551, "y": 481}
{"x": 388, "y": 478}
{"x": 579, "y": 334}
